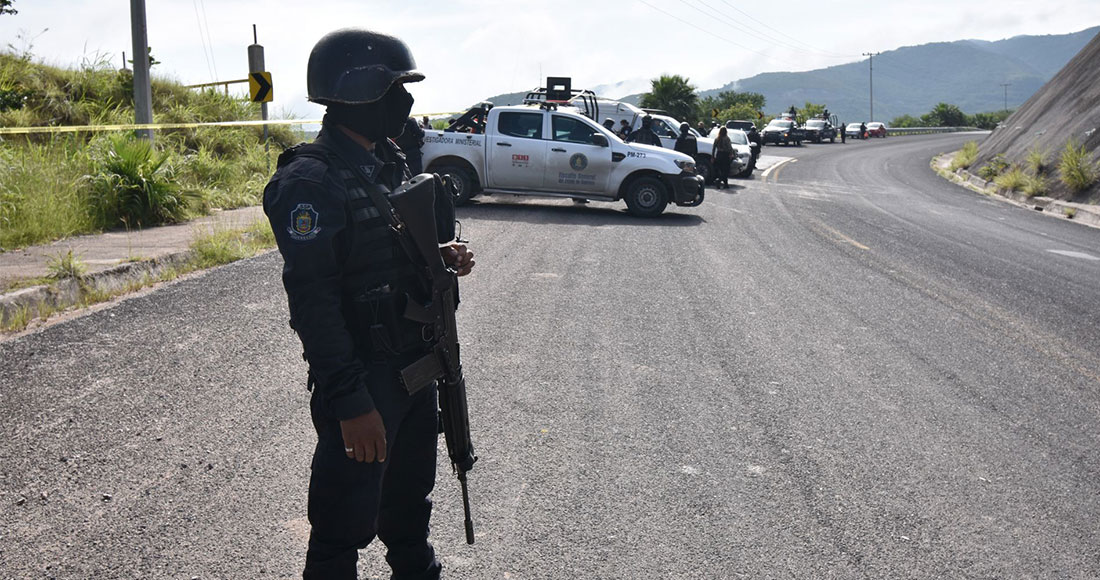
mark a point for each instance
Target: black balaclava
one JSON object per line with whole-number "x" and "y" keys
{"x": 377, "y": 120}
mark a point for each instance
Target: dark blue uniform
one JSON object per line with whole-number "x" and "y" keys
{"x": 345, "y": 277}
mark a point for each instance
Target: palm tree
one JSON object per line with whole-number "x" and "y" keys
{"x": 673, "y": 94}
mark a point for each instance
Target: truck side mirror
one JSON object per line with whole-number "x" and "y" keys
{"x": 600, "y": 141}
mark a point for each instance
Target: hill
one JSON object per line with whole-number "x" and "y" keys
{"x": 912, "y": 80}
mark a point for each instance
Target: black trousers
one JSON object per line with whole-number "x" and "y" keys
{"x": 722, "y": 167}
{"x": 352, "y": 502}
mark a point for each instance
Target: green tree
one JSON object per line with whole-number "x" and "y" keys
{"x": 944, "y": 115}
{"x": 812, "y": 110}
{"x": 740, "y": 112}
{"x": 988, "y": 120}
{"x": 905, "y": 121}
{"x": 727, "y": 99}
{"x": 673, "y": 94}
{"x": 5, "y": 7}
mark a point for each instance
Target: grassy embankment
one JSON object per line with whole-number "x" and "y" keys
{"x": 1074, "y": 167}
{"x": 54, "y": 186}
{"x": 58, "y": 185}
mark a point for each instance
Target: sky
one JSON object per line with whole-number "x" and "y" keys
{"x": 473, "y": 49}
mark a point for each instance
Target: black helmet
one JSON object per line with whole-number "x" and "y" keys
{"x": 684, "y": 127}
{"x": 356, "y": 66}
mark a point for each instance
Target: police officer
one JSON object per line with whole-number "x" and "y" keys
{"x": 346, "y": 279}
{"x": 645, "y": 134}
{"x": 686, "y": 143}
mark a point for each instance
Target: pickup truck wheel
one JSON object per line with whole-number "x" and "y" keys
{"x": 747, "y": 172}
{"x": 463, "y": 182}
{"x": 646, "y": 197}
{"x": 704, "y": 169}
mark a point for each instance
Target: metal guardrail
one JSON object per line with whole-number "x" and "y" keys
{"x": 928, "y": 130}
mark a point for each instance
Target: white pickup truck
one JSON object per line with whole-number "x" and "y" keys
{"x": 544, "y": 151}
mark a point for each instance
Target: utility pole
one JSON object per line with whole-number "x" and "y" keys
{"x": 143, "y": 89}
{"x": 1006, "y": 85}
{"x": 871, "y": 77}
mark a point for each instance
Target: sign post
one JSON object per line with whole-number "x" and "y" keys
{"x": 259, "y": 83}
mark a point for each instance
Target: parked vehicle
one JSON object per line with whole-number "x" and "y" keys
{"x": 818, "y": 130}
{"x": 743, "y": 149}
{"x": 742, "y": 125}
{"x": 852, "y": 131}
{"x": 876, "y": 129}
{"x": 542, "y": 149}
{"x": 785, "y": 131}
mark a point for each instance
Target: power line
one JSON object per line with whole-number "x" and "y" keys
{"x": 779, "y": 32}
{"x": 202, "y": 41}
{"x": 718, "y": 36}
{"x": 734, "y": 23}
{"x": 213, "y": 56}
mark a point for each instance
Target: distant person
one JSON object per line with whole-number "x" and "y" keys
{"x": 624, "y": 129}
{"x": 426, "y": 124}
{"x": 609, "y": 124}
{"x": 755, "y": 139}
{"x": 686, "y": 143}
{"x": 722, "y": 153}
{"x": 645, "y": 134}
{"x": 410, "y": 141}
{"x": 843, "y": 133}
{"x": 702, "y": 128}
{"x": 863, "y": 130}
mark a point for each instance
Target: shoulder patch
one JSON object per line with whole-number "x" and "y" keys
{"x": 304, "y": 223}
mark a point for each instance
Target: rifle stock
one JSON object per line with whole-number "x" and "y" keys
{"x": 415, "y": 203}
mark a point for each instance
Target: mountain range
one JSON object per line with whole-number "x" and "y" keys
{"x": 910, "y": 80}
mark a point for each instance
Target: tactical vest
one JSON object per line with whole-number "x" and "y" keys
{"x": 379, "y": 277}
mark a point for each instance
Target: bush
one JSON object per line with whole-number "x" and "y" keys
{"x": 993, "y": 168}
{"x": 1034, "y": 185}
{"x": 132, "y": 185}
{"x": 966, "y": 156}
{"x": 1036, "y": 161}
{"x": 1078, "y": 170}
{"x": 1012, "y": 180}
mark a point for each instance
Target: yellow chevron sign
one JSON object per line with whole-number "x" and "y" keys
{"x": 259, "y": 87}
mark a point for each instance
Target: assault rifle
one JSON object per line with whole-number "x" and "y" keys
{"x": 415, "y": 204}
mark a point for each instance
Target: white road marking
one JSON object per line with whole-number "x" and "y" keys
{"x": 778, "y": 165}
{"x": 1081, "y": 255}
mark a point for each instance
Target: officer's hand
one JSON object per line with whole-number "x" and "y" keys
{"x": 458, "y": 257}
{"x": 365, "y": 437}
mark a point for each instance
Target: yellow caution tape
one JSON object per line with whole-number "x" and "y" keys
{"x": 137, "y": 126}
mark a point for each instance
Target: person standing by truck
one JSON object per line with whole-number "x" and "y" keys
{"x": 722, "y": 153}
{"x": 686, "y": 142}
{"x": 645, "y": 134}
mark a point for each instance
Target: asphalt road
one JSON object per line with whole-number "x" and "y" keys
{"x": 849, "y": 368}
